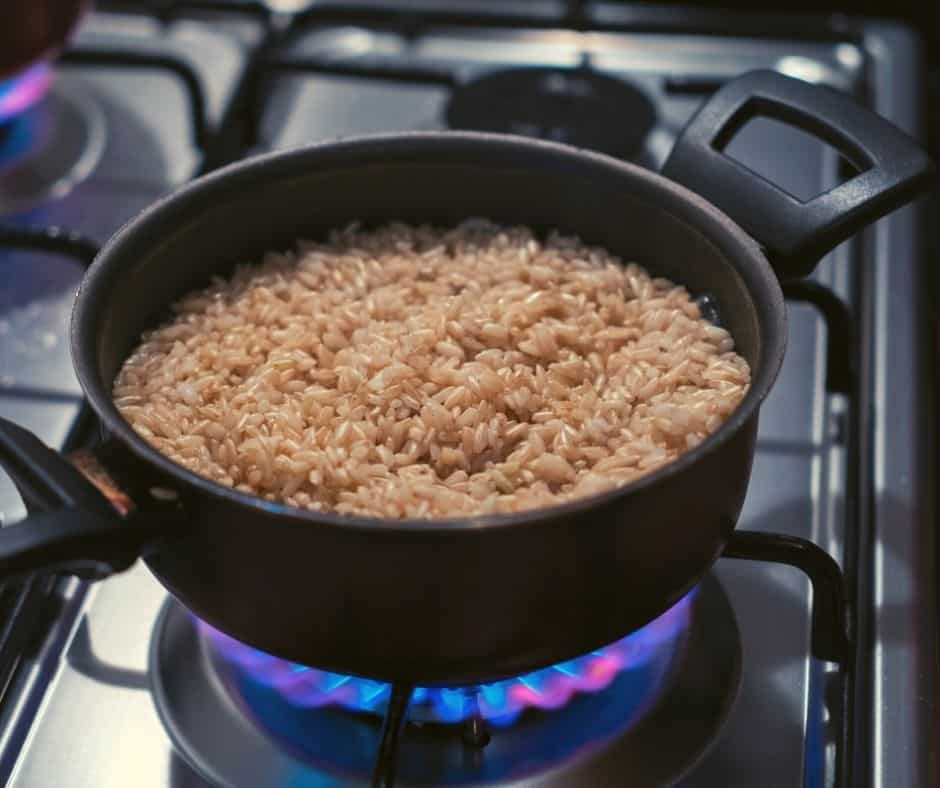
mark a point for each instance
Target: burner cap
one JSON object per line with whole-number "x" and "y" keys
{"x": 578, "y": 107}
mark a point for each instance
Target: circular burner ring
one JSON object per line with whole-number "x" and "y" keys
{"x": 50, "y": 148}
{"x": 579, "y": 107}
{"x": 216, "y": 730}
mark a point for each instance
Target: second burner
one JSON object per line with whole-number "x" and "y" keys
{"x": 579, "y": 107}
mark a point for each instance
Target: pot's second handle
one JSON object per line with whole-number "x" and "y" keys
{"x": 71, "y": 526}
{"x": 893, "y": 169}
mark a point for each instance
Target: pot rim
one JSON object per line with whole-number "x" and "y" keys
{"x": 742, "y": 252}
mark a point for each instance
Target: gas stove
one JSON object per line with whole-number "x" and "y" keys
{"x": 117, "y": 685}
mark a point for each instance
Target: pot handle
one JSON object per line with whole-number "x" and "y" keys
{"x": 71, "y": 527}
{"x": 893, "y": 169}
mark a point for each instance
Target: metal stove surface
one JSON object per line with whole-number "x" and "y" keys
{"x": 148, "y": 148}
{"x": 83, "y": 715}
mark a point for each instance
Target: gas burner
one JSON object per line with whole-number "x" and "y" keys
{"x": 579, "y": 107}
{"x": 499, "y": 703}
{"x": 50, "y": 147}
{"x": 242, "y": 718}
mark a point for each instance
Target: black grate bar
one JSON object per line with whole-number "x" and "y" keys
{"x": 29, "y": 606}
{"x": 412, "y": 20}
{"x": 830, "y": 636}
{"x": 580, "y": 15}
{"x": 26, "y": 610}
{"x": 257, "y": 9}
{"x": 577, "y": 14}
{"x": 312, "y": 65}
{"x": 431, "y": 12}
{"x": 165, "y": 10}
{"x": 756, "y": 22}
{"x": 841, "y": 372}
{"x": 386, "y": 763}
{"x": 50, "y": 240}
{"x": 240, "y": 129}
{"x": 692, "y": 85}
{"x": 123, "y": 58}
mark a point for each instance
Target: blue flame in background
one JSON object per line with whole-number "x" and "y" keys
{"x": 19, "y": 93}
{"x": 500, "y": 702}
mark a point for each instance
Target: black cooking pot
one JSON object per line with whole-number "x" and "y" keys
{"x": 473, "y": 599}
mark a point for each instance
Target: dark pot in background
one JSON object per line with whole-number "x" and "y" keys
{"x": 34, "y": 30}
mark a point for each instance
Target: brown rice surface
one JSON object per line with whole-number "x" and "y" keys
{"x": 424, "y": 372}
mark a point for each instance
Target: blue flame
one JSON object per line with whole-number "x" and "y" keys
{"x": 499, "y": 702}
{"x": 19, "y": 93}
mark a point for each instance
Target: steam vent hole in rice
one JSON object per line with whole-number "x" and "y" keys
{"x": 423, "y": 372}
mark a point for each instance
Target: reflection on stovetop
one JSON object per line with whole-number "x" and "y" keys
{"x": 187, "y": 92}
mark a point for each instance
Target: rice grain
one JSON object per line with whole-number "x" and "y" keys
{"x": 422, "y": 372}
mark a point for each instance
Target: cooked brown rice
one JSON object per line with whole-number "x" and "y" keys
{"x": 420, "y": 372}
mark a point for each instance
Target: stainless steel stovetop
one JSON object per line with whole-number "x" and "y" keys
{"x": 841, "y": 457}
